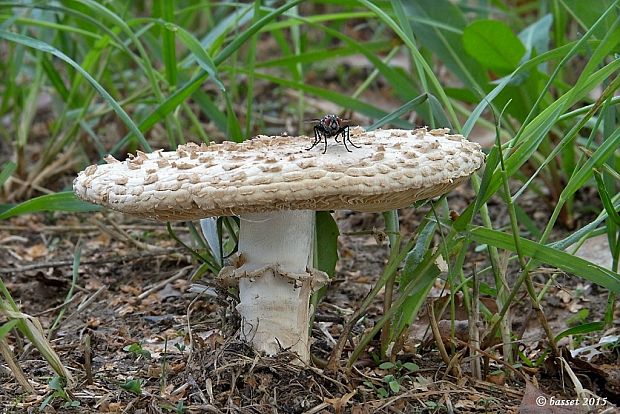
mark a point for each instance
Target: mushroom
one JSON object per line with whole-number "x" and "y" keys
{"x": 275, "y": 186}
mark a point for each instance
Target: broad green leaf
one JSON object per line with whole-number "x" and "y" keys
{"x": 65, "y": 201}
{"x": 545, "y": 254}
{"x": 133, "y": 386}
{"x": 493, "y": 44}
{"x": 327, "y": 236}
{"x": 535, "y": 37}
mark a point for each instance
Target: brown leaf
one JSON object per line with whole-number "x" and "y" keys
{"x": 37, "y": 251}
{"x": 537, "y": 402}
{"x": 340, "y": 403}
{"x": 359, "y": 409}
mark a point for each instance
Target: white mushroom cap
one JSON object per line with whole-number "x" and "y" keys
{"x": 392, "y": 169}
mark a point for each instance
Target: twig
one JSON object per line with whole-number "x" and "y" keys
{"x": 87, "y": 360}
{"x": 84, "y": 228}
{"x": 120, "y": 234}
{"x": 5, "y": 351}
{"x": 474, "y": 332}
{"x": 86, "y": 303}
{"x": 436, "y": 334}
{"x": 163, "y": 283}
{"x": 64, "y": 263}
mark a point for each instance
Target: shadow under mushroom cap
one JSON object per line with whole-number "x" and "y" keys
{"x": 392, "y": 169}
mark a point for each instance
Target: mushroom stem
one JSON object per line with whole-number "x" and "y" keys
{"x": 275, "y": 284}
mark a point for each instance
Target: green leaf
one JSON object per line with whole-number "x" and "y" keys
{"x": 605, "y": 198}
{"x": 411, "y": 367}
{"x": 585, "y": 328}
{"x": 7, "y": 170}
{"x": 493, "y": 44}
{"x": 578, "y": 317}
{"x": 588, "y": 12}
{"x": 406, "y": 108}
{"x": 598, "y": 158}
{"x": 6, "y": 327}
{"x": 133, "y": 386}
{"x": 65, "y": 201}
{"x": 394, "y": 386}
{"x": 137, "y": 349}
{"x": 545, "y": 254}
{"x": 201, "y": 55}
{"x": 439, "y": 25}
{"x": 327, "y": 236}
{"x": 57, "y": 383}
{"x": 387, "y": 365}
{"x": 535, "y": 37}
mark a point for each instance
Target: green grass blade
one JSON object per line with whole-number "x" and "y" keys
{"x": 598, "y": 158}
{"x": 64, "y": 201}
{"x": 194, "y": 84}
{"x": 446, "y": 44}
{"x": 606, "y": 198}
{"x": 54, "y": 77}
{"x": 47, "y": 48}
{"x": 7, "y": 170}
{"x": 536, "y": 131}
{"x": 583, "y": 329}
{"x": 406, "y": 108}
{"x": 6, "y": 327}
{"x": 168, "y": 41}
{"x": 417, "y": 57}
{"x": 338, "y": 98}
{"x": 545, "y": 254}
{"x": 200, "y": 54}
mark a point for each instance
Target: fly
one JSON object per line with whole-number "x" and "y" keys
{"x": 331, "y": 126}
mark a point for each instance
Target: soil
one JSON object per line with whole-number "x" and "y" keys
{"x": 135, "y": 344}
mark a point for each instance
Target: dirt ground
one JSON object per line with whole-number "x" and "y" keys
{"x": 138, "y": 338}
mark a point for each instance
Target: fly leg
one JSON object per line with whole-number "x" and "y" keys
{"x": 317, "y": 138}
{"x": 348, "y": 138}
{"x": 325, "y": 138}
{"x": 343, "y": 131}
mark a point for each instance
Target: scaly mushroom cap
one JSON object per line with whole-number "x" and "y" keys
{"x": 392, "y": 169}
